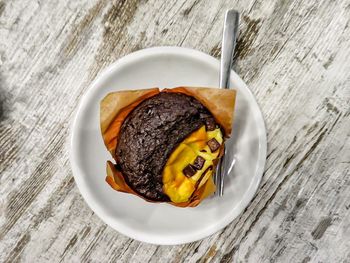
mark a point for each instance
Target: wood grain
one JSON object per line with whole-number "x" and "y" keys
{"x": 294, "y": 55}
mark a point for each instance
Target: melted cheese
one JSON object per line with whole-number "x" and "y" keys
{"x": 176, "y": 185}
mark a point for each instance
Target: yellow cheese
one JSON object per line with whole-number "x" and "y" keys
{"x": 176, "y": 185}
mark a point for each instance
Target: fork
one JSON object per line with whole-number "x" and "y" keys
{"x": 229, "y": 38}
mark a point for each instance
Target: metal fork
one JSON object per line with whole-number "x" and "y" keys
{"x": 229, "y": 38}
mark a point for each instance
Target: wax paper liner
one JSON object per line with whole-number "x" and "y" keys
{"x": 116, "y": 106}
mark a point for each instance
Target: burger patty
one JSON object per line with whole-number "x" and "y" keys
{"x": 150, "y": 133}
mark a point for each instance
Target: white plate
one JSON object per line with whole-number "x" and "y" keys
{"x": 162, "y": 223}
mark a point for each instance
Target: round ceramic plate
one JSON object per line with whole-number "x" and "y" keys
{"x": 166, "y": 67}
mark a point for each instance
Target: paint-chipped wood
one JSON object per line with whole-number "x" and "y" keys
{"x": 294, "y": 55}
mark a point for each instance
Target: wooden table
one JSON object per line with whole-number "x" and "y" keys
{"x": 295, "y": 57}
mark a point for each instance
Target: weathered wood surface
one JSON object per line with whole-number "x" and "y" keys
{"x": 293, "y": 54}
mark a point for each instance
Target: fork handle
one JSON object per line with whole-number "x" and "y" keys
{"x": 228, "y": 46}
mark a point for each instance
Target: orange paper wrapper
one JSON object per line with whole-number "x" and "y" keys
{"x": 116, "y": 106}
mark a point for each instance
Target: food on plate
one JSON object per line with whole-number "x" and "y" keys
{"x": 166, "y": 143}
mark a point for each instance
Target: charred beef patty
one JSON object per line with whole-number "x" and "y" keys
{"x": 150, "y": 133}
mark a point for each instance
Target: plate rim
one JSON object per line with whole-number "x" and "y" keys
{"x": 154, "y": 239}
